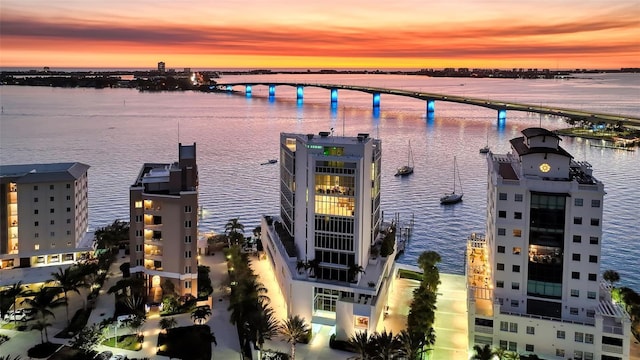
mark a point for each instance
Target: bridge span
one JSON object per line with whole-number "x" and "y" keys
{"x": 500, "y": 106}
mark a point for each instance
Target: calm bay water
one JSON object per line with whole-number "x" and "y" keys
{"x": 116, "y": 130}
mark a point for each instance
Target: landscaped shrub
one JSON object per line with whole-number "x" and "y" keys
{"x": 339, "y": 344}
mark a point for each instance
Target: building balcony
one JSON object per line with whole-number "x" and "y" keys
{"x": 614, "y": 349}
{"x": 153, "y": 241}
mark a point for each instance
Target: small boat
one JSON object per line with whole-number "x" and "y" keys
{"x": 406, "y": 169}
{"x": 453, "y": 197}
{"x": 485, "y": 149}
{"x": 272, "y": 161}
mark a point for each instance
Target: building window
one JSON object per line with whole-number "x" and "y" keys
{"x": 591, "y": 313}
{"x": 502, "y": 196}
{"x": 502, "y": 214}
{"x": 138, "y": 204}
{"x": 560, "y": 352}
{"x": 593, "y": 259}
{"x": 35, "y": 187}
{"x": 187, "y": 269}
{"x": 52, "y": 234}
{"x": 529, "y": 347}
{"x": 52, "y": 222}
{"x": 575, "y": 257}
{"x": 588, "y": 355}
{"x": 36, "y": 235}
{"x": 593, "y": 277}
{"x": 500, "y": 266}
{"x": 35, "y": 212}
{"x": 588, "y": 338}
{"x": 515, "y": 268}
{"x": 68, "y": 209}
{"x": 595, "y": 222}
{"x": 513, "y": 327}
{"x": 575, "y": 275}
{"x": 187, "y": 223}
{"x": 515, "y": 286}
{"x": 187, "y": 208}
{"x": 577, "y": 355}
{"x": 517, "y": 250}
{"x": 187, "y": 239}
{"x": 575, "y": 293}
{"x": 51, "y": 198}
{"x": 51, "y": 211}
{"x": 503, "y": 344}
{"x": 500, "y": 284}
{"x": 502, "y": 231}
{"x": 50, "y": 187}
{"x": 517, "y": 233}
{"x": 515, "y": 303}
{"x": 573, "y": 311}
{"x": 578, "y": 202}
{"x": 35, "y": 199}
{"x": 591, "y": 294}
{"x": 501, "y": 249}
{"x": 531, "y": 330}
{"x": 577, "y": 220}
{"x": 579, "y": 337}
{"x": 68, "y": 197}
{"x": 517, "y": 197}
{"x": 504, "y": 326}
{"x": 593, "y": 240}
{"x": 517, "y": 215}
{"x": 36, "y": 223}
{"x": 68, "y": 186}
{"x": 513, "y": 346}
{"x": 68, "y": 221}
{"x": 36, "y": 247}
{"x": 560, "y": 334}
{"x": 595, "y": 203}
{"x": 187, "y": 254}
{"x": 187, "y": 284}
{"x": 577, "y": 238}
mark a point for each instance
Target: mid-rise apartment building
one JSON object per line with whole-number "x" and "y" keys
{"x": 534, "y": 280}
{"x": 45, "y": 214}
{"x": 164, "y": 224}
{"x": 330, "y": 226}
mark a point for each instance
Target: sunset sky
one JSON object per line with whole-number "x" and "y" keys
{"x": 374, "y": 34}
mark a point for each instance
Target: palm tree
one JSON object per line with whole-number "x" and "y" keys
{"x": 386, "y": 345}
{"x": 411, "y": 344}
{"x": 500, "y": 353}
{"x": 353, "y": 272}
{"x": 482, "y": 353}
{"x": 68, "y": 280}
{"x": 294, "y": 330}
{"x": 200, "y": 314}
{"x": 41, "y": 325}
{"x": 43, "y": 301}
{"x": 168, "y": 323}
{"x": 511, "y": 355}
{"x": 233, "y": 228}
{"x": 611, "y": 276}
{"x": 361, "y": 344}
{"x": 266, "y": 326}
{"x": 8, "y": 357}
{"x": 13, "y": 292}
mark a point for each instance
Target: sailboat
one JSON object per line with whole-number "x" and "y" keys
{"x": 485, "y": 149}
{"x": 406, "y": 169}
{"x": 453, "y": 197}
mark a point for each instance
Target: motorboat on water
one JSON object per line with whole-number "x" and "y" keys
{"x": 272, "y": 161}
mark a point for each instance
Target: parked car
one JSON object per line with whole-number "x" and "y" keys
{"x": 105, "y": 355}
{"x": 19, "y": 315}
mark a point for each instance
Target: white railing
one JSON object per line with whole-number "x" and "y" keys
{"x": 612, "y": 348}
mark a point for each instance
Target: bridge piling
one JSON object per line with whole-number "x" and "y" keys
{"x": 300, "y": 93}
{"x": 502, "y": 118}
{"x": 376, "y": 100}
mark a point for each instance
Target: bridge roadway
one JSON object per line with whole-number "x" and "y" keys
{"x": 500, "y": 106}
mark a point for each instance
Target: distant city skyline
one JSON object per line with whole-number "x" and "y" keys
{"x": 599, "y": 34}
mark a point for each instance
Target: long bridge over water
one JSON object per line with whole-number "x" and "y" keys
{"x": 430, "y": 98}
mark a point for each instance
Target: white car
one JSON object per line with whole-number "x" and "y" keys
{"x": 19, "y": 315}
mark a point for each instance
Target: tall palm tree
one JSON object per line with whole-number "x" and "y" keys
{"x": 234, "y": 230}
{"x": 294, "y": 330}
{"x": 482, "y": 353}
{"x": 361, "y": 344}
{"x": 386, "y": 345}
{"x": 68, "y": 280}
{"x": 412, "y": 344}
{"x": 43, "y": 301}
{"x": 200, "y": 314}
{"x": 13, "y": 292}
{"x": 266, "y": 325}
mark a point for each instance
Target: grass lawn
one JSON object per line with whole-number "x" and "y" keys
{"x": 126, "y": 342}
{"x": 21, "y": 326}
{"x": 196, "y": 338}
